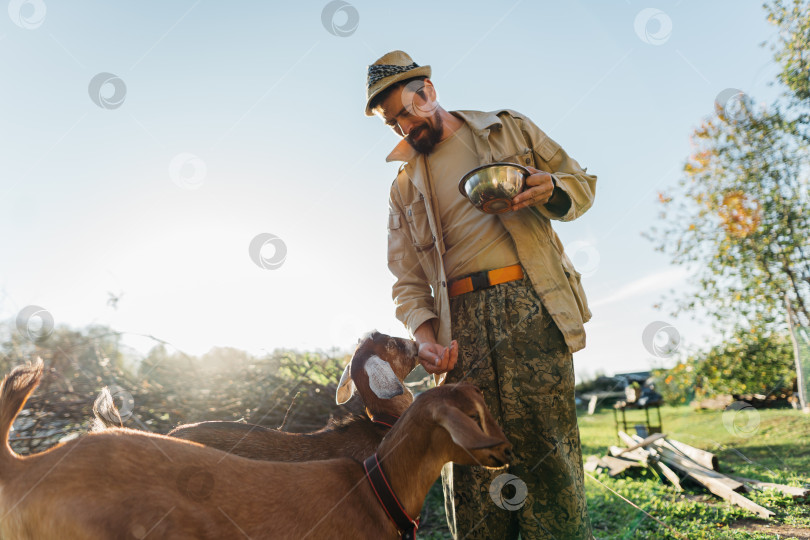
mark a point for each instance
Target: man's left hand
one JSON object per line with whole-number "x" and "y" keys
{"x": 538, "y": 190}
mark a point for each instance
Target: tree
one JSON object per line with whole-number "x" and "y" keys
{"x": 792, "y": 46}
{"x": 749, "y": 362}
{"x": 739, "y": 215}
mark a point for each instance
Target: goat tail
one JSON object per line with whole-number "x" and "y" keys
{"x": 14, "y": 391}
{"x": 105, "y": 412}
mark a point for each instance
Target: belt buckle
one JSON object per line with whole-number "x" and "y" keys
{"x": 480, "y": 280}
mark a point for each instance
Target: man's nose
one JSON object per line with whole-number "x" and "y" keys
{"x": 406, "y": 126}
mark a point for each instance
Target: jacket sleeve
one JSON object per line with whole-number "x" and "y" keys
{"x": 571, "y": 178}
{"x": 411, "y": 290}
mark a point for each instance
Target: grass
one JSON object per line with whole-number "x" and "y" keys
{"x": 770, "y": 445}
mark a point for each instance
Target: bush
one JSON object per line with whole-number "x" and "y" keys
{"x": 167, "y": 388}
{"x": 750, "y": 362}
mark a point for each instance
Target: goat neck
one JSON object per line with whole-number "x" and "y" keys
{"x": 383, "y": 419}
{"x": 411, "y": 460}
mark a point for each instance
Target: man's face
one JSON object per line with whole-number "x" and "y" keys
{"x": 412, "y": 116}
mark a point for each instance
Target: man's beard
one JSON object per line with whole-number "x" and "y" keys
{"x": 433, "y": 135}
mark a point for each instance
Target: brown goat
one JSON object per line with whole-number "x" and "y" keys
{"x": 122, "y": 483}
{"x": 376, "y": 372}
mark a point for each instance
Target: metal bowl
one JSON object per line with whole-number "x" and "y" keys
{"x": 490, "y": 188}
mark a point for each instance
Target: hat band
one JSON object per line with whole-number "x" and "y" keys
{"x": 376, "y": 72}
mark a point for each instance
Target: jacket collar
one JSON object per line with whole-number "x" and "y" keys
{"x": 477, "y": 120}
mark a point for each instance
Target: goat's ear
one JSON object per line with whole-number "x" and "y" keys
{"x": 381, "y": 378}
{"x": 464, "y": 430}
{"x": 345, "y": 386}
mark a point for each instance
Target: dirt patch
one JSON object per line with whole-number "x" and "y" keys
{"x": 762, "y": 526}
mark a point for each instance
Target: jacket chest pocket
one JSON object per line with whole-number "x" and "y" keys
{"x": 417, "y": 219}
{"x": 522, "y": 157}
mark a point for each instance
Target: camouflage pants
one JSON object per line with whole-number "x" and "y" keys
{"x": 513, "y": 351}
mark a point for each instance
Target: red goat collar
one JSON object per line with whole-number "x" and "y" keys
{"x": 383, "y": 419}
{"x": 388, "y": 499}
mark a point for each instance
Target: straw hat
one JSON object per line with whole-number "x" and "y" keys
{"x": 391, "y": 68}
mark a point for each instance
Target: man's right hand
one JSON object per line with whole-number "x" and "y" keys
{"x": 436, "y": 358}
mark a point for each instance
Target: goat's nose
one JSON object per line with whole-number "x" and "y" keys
{"x": 508, "y": 453}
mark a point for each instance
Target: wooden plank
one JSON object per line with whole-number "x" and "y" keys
{"x": 602, "y": 395}
{"x": 646, "y": 442}
{"x": 732, "y": 496}
{"x": 671, "y": 451}
{"x": 669, "y": 474}
{"x": 664, "y": 469}
{"x": 702, "y": 457}
{"x": 627, "y": 439}
{"x": 638, "y": 454}
{"x": 705, "y": 475}
{"x": 618, "y": 465}
{"x": 593, "y": 463}
{"x": 742, "y": 502}
{"x": 671, "y": 456}
{"x": 592, "y": 405}
{"x": 795, "y": 492}
{"x": 654, "y": 460}
{"x": 718, "y": 483}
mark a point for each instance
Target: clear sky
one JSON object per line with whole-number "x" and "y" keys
{"x": 221, "y": 121}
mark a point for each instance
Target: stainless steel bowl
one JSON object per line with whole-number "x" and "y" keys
{"x": 490, "y": 188}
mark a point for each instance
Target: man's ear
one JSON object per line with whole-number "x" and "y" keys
{"x": 345, "y": 386}
{"x": 381, "y": 378}
{"x": 430, "y": 90}
{"x": 463, "y": 429}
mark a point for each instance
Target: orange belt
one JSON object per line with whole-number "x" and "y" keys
{"x": 482, "y": 280}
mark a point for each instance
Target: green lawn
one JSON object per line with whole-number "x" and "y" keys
{"x": 775, "y": 447}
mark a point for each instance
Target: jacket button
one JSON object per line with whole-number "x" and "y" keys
{"x": 444, "y": 284}
{"x": 528, "y": 160}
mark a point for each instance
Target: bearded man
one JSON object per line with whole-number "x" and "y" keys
{"x": 491, "y": 299}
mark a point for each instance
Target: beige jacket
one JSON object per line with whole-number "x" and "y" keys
{"x": 415, "y": 240}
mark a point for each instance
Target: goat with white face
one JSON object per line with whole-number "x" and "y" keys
{"x": 376, "y": 372}
{"x": 122, "y": 483}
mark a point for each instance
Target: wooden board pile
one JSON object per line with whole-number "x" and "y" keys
{"x": 677, "y": 461}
